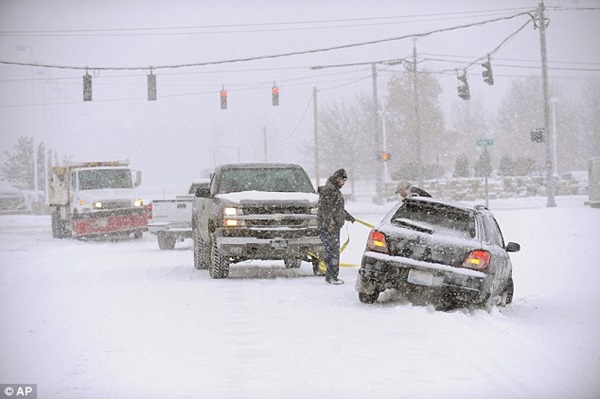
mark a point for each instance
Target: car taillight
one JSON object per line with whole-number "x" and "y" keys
{"x": 477, "y": 260}
{"x": 376, "y": 242}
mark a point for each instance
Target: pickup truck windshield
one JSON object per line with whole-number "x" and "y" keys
{"x": 104, "y": 178}
{"x": 280, "y": 180}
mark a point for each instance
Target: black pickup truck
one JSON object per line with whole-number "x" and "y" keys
{"x": 259, "y": 211}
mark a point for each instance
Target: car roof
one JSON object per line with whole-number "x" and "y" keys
{"x": 453, "y": 204}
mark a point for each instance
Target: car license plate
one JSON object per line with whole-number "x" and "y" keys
{"x": 420, "y": 277}
{"x": 279, "y": 244}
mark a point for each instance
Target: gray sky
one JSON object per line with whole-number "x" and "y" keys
{"x": 175, "y": 138}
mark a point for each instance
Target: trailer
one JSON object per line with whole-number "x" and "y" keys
{"x": 96, "y": 199}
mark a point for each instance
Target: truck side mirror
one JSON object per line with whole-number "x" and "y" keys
{"x": 203, "y": 192}
{"x": 138, "y": 178}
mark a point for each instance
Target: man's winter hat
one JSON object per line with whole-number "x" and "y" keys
{"x": 404, "y": 184}
{"x": 340, "y": 174}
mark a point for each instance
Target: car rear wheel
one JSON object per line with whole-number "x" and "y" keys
{"x": 507, "y": 294}
{"x": 368, "y": 298}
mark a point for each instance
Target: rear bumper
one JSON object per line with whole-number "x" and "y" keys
{"x": 129, "y": 220}
{"x": 379, "y": 272}
{"x": 183, "y": 230}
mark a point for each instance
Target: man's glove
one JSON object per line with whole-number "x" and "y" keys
{"x": 351, "y": 219}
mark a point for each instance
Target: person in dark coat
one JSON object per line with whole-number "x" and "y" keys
{"x": 406, "y": 189}
{"x": 331, "y": 216}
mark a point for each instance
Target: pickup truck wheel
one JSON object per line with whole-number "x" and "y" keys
{"x": 292, "y": 263}
{"x": 166, "y": 241}
{"x": 316, "y": 267}
{"x": 201, "y": 254}
{"x": 219, "y": 266}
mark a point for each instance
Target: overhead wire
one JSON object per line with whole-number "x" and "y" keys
{"x": 271, "y": 56}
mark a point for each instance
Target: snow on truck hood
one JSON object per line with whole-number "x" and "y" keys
{"x": 268, "y": 196}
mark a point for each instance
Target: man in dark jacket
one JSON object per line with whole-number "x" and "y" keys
{"x": 331, "y": 216}
{"x": 406, "y": 189}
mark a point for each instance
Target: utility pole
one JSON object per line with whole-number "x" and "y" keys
{"x": 378, "y": 149}
{"x": 265, "y": 140}
{"x": 417, "y": 113}
{"x": 542, "y": 23}
{"x": 316, "y": 130}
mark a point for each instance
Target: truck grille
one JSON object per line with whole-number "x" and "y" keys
{"x": 276, "y": 209}
{"x": 274, "y": 223}
{"x": 116, "y": 204}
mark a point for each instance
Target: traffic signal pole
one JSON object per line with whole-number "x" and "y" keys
{"x": 542, "y": 23}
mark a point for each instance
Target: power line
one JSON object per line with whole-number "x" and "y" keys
{"x": 273, "y": 56}
{"x": 268, "y": 26}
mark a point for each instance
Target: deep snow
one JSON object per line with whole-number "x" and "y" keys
{"x": 101, "y": 319}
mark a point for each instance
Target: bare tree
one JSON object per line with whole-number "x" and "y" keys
{"x": 345, "y": 139}
{"x": 409, "y": 132}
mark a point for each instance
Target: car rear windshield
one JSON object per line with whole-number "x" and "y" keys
{"x": 438, "y": 218}
{"x": 264, "y": 179}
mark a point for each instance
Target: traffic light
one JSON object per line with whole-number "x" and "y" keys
{"x": 87, "y": 87}
{"x": 275, "y": 95}
{"x": 151, "y": 87}
{"x": 488, "y": 76}
{"x": 223, "y": 98}
{"x": 463, "y": 89}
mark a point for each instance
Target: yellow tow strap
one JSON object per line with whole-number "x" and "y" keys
{"x": 322, "y": 265}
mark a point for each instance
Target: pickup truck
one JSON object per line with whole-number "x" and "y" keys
{"x": 257, "y": 211}
{"x": 172, "y": 218}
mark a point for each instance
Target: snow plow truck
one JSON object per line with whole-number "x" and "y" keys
{"x": 90, "y": 199}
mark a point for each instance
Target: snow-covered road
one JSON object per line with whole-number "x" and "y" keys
{"x": 93, "y": 319}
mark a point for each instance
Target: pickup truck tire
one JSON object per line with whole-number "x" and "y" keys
{"x": 201, "y": 253}
{"x": 166, "y": 241}
{"x": 316, "y": 269}
{"x": 219, "y": 265}
{"x": 292, "y": 263}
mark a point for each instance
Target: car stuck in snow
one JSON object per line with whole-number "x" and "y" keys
{"x": 437, "y": 251}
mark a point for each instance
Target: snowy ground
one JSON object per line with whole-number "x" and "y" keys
{"x": 127, "y": 320}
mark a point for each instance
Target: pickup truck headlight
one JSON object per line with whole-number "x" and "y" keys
{"x": 230, "y": 217}
{"x": 138, "y": 202}
{"x": 96, "y": 205}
